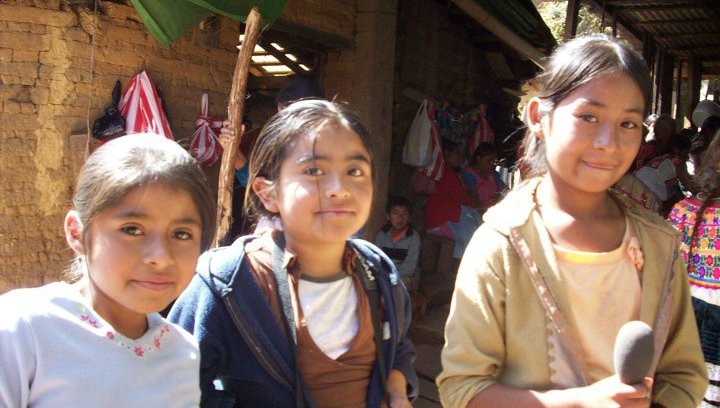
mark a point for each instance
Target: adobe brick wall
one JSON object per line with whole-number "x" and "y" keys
{"x": 44, "y": 88}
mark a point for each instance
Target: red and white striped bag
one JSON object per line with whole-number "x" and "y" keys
{"x": 141, "y": 107}
{"x": 483, "y": 133}
{"x": 204, "y": 144}
{"x": 436, "y": 164}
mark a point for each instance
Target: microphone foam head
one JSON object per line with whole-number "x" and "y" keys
{"x": 634, "y": 351}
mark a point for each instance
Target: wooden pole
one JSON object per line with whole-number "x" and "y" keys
{"x": 571, "y": 19}
{"x": 235, "y": 111}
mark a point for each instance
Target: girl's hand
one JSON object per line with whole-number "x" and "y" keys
{"x": 400, "y": 401}
{"x": 397, "y": 391}
{"x": 610, "y": 392}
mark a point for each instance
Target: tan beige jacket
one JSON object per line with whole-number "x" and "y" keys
{"x": 497, "y": 330}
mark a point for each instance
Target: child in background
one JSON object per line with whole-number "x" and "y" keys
{"x": 664, "y": 174}
{"x": 142, "y": 213}
{"x": 449, "y": 210}
{"x": 482, "y": 180}
{"x": 401, "y": 242}
{"x": 662, "y": 131}
{"x": 697, "y": 219}
{"x": 303, "y": 317}
{"x": 561, "y": 263}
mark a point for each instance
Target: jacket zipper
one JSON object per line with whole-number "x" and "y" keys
{"x": 267, "y": 363}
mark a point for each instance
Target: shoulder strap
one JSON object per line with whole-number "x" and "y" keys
{"x": 283, "y": 289}
{"x": 370, "y": 285}
{"x": 552, "y": 311}
{"x": 231, "y": 261}
{"x": 369, "y": 282}
{"x": 381, "y": 260}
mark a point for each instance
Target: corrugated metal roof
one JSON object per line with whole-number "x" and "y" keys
{"x": 685, "y": 28}
{"x": 523, "y": 17}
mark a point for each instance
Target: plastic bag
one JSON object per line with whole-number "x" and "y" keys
{"x": 111, "y": 124}
{"x": 417, "y": 142}
{"x": 204, "y": 144}
{"x": 141, "y": 107}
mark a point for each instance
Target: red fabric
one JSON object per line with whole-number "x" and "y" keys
{"x": 483, "y": 133}
{"x": 648, "y": 152}
{"x": 444, "y": 205}
{"x": 204, "y": 144}
{"x": 141, "y": 107}
{"x": 436, "y": 168}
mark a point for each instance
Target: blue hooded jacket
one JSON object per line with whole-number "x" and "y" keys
{"x": 246, "y": 359}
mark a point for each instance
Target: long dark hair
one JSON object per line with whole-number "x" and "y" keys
{"x": 572, "y": 65}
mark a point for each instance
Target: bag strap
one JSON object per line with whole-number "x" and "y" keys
{"x": 204, "y": 105}
{"x": 226, "y": 294}
{"x": 283, "y": 291}
{"x": 552, "y": 311}
{"x": 370, "y": 285}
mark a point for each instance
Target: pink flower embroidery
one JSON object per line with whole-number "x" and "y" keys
{"x": 110, "y": 335}
{"x": 636, "y": 255}
{"x": 139, "y": 351}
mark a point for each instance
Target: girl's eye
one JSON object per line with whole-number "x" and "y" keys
{"x": 356, "y": 172}
{"x": 589, "y": 118}
{"x": 313, "y": 171}
{"x": 183, "y": 235}
{"x": 630, "y": 125}
{"x": 131, "y": 230}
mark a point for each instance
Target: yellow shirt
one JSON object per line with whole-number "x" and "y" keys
{"x": 609, "y": 276}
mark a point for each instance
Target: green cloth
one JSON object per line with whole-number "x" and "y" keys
{"x": 168, "y": 20}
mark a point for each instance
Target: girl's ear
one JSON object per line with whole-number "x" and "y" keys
{"x": 265, "y": 189}
{"x": 534, "y": 117}
{"x": 74, "y": 232}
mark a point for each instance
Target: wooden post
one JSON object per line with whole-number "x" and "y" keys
{"x": 665, "y": 87}
{"x": 571, "y": 19}
{"x": 235, "y": 111}
{"x": 678, "y": 114}
{"x": 694, "y": 77}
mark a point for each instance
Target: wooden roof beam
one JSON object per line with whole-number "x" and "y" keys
{"x": 625, "y": 10}
{"x": 270, "y": 49}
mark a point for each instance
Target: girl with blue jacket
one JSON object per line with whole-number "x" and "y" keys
{"x": 304, "y": 316}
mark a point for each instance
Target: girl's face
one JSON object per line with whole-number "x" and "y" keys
{"x": 141, "y": 253}
{"x": 324, "y": 189}
{"x": 593, "y": 134}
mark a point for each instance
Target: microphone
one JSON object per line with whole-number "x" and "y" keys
{"x": 634, "y": 351}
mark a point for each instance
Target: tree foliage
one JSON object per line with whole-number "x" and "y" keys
{"x": 553, "y": 13}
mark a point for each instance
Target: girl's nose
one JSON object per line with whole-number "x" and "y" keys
{"x": 606, "y": 138}
{"x": 157, "y": 252}
{"x": 335, "y": 186}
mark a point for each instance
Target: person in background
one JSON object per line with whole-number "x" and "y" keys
{"x": 297, "y": 89}
{"x": 449, "y": 210}
{"x": 100, "y": 342}
{"x": 304, "y": 316}
{"x": 696, "y": 218}
{"x": 483, "y": 182}
{"x": 562, "y": 262}
{"x": 708, "y": 129}
{"x": 662, "y": 129}
{"x": 666, "y": 176}
{"x": 401, "y": 242}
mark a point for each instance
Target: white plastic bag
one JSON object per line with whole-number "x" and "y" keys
{"x": 417, "y": 143}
